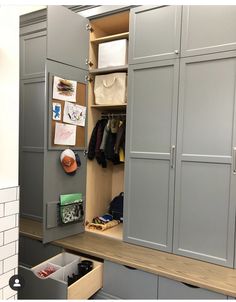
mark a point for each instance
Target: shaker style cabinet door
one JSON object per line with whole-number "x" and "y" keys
{"x": 67, "y": 37}
{"x": 149, "y": 172}
{"x": 205, "y": 181}
{"x": 154, "y": 33}
{"x": 208, "y": 29}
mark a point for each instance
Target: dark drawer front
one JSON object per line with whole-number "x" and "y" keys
{"x": 170, "y": 289}
{"x": 127, "y": 283}
{"x": 33, "y": 252}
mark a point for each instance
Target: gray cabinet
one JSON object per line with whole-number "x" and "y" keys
{"x": 67, "y": 37}
{"x": 128, "y": 283}
{"x": 151, "y": 139}
{"x": 171, "y": 289}
{"x": 205, "y": 181}
{"x": 208, "y": 29}
{"x": 155, "y": 33}
{"x": 56, "y": 48}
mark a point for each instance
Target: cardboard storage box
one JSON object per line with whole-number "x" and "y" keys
{"x": 112, "y": 53}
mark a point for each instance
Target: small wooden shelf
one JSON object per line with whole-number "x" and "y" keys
{"x": 115, "y": 232}
{"x": 108, "y": 69}
{"x": 110, "y": 106}
{"x": 111, "y": 38}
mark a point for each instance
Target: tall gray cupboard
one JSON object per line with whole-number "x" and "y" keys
{"x": 180, "y": 174}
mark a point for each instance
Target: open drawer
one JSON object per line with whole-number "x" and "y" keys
{"x": 55, "y": 286}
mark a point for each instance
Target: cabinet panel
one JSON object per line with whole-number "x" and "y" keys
{"x": 31, "y": 182}
{"x": 205, "y": 185}
{"x": 33, "y": 54}
{"x": 151, "y": 135}
{"x": 154, "y": 33}
{"x": 170, "y": 289}
{"x": 67, "y": 37}
{"x": 32, "y": 109}
{"x": 152, "y": 92}
{"x": 218, "y": 24}
{"x": 208, "y": 106}
{"x": 128, "y": 283}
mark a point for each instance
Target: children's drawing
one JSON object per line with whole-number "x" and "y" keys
{"x": 56, "y": 111}
{"x": 74, "y": 114}
{"x": 65, "y": 134}
{"x": 64, "y": 90}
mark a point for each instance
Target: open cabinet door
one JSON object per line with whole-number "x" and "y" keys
{"x": 56, "y": 181}
{"x": 67, "y": 37}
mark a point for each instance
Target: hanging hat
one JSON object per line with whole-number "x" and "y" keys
{"x": 68, "y": 161}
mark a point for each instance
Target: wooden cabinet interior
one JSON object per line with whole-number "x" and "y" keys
{"x": 106, "y": 29}
{"x": 103, "y": 184}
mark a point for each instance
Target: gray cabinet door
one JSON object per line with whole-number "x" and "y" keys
{"x": 149, "y": 171}
{"x": 208, "y": 29}
{"x": 67, "y": 37}
{"x": 154, "y": 33}
{"x": 205, "y": 182}
{"x": 56, "y": 181}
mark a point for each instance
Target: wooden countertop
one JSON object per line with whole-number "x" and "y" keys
{"x": 210, "y": 276}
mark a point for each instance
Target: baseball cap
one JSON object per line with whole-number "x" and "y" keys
{"x": 68, "y": 161}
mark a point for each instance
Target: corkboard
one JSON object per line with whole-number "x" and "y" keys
{"x": 80, "y": 131}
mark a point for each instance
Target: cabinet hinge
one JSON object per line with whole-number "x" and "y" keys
{"x": 88, "y": 78}
{"x": 89, "y": 27}
{"x": 88, "y": 62}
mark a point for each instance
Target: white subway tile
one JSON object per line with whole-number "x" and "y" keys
{"x": 7, "y": 251}
{"x": 17, "y": 247}
{"x": 7, "y": 223}
{"x": 1, "y": 210}
{"x": 1, "y": 268}
{"x": 13, "y": 298}
{"x": 8, "y": 293}
{"x": 1, "y": 294}
{"x": 17, "y": 220}
{"x": 10, "y": 263}
{"x": 7, "y": 195}
{"x": 11, "y": 235}
{"x": 1, "y": 238}
{"x": 4, "y": 279}
{"x": 12, "y": 208}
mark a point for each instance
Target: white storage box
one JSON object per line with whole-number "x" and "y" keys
{"x": 112, "y": 53}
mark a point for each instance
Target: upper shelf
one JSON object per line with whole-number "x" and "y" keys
{"x": 109, "y": 69}
{"x": 111, "y": 38}
{"x": 110, "y": 106}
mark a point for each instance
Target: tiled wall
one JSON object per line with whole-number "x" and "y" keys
{"x": 9, "y": 238}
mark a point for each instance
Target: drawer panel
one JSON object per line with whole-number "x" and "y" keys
{"x": 32, "y": 252}
{"x": 128, "y": 283}
{"x": 170, "y": 289}
{"x": 55, "y": 286}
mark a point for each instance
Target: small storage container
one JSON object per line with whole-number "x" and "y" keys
{"x": 112, "y": 53}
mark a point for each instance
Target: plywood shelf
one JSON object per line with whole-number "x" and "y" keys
{"x": 115, "y": 107}
{"x": 108, "y": 69}
{"x": 111, "y": 38}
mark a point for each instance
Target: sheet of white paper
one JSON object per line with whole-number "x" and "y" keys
{"x": 74, "y": 114}
{"x": 65, "y": 134}
{"x": 56, "y": 111}
{"x": 64, "y": 90}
